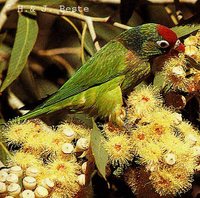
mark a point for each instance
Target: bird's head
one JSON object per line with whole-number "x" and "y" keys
{"x": 151, "y": 40}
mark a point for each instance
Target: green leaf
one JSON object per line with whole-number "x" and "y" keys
{"x": 158, "y": 81}
{"x": 100, "y": 154}
{"x": 4, "y": 153}
{"x": 185, "y": 29}
{"x": 27, "y": 30}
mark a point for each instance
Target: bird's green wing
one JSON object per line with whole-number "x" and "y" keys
{"x": 106, "y": 64}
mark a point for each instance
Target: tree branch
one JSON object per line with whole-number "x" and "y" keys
{"x": 5, "y": 10}
{"x": 68, "y": 14}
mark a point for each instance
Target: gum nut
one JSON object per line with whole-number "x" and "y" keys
{"x": 14, "y": 189}
{"x": 191, "y": 50}
{"x": 2, "y": 187}
{"x": 151, "y": 168}
{"x": 3, "y": 176}
{"x": 67, "y": 148}
{"x": 84, "y": 167}
{"x": 192, "y": 40}
{"x": 29, "y": 183}
{"x": 6, "y": 170}
{"x": 41, "y": 192}
{"x": 179, "y": 71}
{"x": 178, "y": 118}
{"x": 81, "y": 179}
{"x": 170, "y": 158}
{"x": 191, "y": 139}
{"x": 27, "y": 194}
{"x": 69, "y": 132}
{"x": 197, "y": 150}
{"x": 82, "y": 144}
{"x": 47, "y": 183}
{"x": 16, "y": 170}
{"x": 12, "y": 178}
{"x": 32, "y": 171}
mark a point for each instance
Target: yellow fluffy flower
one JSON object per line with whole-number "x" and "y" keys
{"x": 17, "y": 132}
{"x": 120, "y": 149}
{"x": 174, "y": 73}
{"x": 25, "y": 160}
{"x": 143, "y": 101}
{"x": 169, "y": 182}
{"x": 79, "y": 128}
{"x": 186, "y": 130}
{"x": 64, "y": 174}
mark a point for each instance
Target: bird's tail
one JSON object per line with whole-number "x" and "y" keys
{"x": 71, "y": 104}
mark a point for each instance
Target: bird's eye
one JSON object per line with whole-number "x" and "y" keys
{"x": 163, "y": 44}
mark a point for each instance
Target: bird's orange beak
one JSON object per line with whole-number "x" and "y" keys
{"x": 179, "y": 47}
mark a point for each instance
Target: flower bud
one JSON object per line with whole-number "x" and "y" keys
{"x": 14, "y": 189}
{"x": 67, "y": 148}
{"x": 170, "y": 158}
{"x": 191, "y": 139}
{"x": 32, "y": 171}
{"x": 29, "y": 183}
{"x": 3, "y": 176}
{"x": 16, "y": 170}
{"x": 69, "y": 133}
{"x": 41, "y": 192}
{"x": 2, "y": 187}
{"x": 47, "y": 183}
{"x": 27, "y": 194}
{"x": 178, "y": 71}
{"x": 82, "y": 145}
{"x": 84, "y": 167}
{"x": 177, "y": 118}
{"x": 81, "y": 179}
{"x": 12, "y": 178}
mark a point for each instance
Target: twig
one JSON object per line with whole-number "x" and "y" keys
{"x": 172, "y": 1}
{"x": 68, "y": 14}
{"x": 179, "y": 13}
{"x": 73, "y": 25}
{"x": 2, "y": 1}
{"x": 82, "y": 43}
{"x": 78, "y": 32}
{"x": 173, "y": 18}
{"x": 5, "y": 10}
{"x": 15, "y": 102}
{"x": 153, "y": 1}
{"x": 92, "y": 33}
{"x": 65, "y": 63}
{"x": 56, "y": 51}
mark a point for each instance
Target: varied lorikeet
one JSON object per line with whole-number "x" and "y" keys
{"x": 98, "y": 86}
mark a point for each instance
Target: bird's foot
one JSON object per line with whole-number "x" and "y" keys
{"x": 117, "y": 117}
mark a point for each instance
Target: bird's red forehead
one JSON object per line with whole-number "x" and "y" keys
{"x": 167, "y": 34}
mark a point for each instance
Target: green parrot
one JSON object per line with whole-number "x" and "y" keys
{"x": 98, "y": 87}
